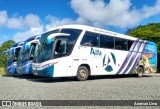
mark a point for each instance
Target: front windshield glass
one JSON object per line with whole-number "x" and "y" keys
{"x": 10, "y": 58}
{"x": 47, "y": 51}
{"x": 33, "y": 50}
{"x": 28, "y": 52}
{"x": 17, "y": 53}
{"x": 13, "y": 55}
{"x": 23, "y": 54}
{"x": 63, "y": 45}
{"x": 44, "y": 52}
{"x": 20, "y": 57}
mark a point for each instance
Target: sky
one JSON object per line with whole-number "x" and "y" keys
{"x": 21, "y": 19}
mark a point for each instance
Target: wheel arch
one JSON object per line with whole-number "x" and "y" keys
{"x": 87, "y": 66}
{"x": 141, "y": 67}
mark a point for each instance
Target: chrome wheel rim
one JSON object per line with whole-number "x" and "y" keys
{"x": 82, "y": 73}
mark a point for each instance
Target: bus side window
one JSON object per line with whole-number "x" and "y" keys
{"x": 90, "y": 39}
{"x": 121, "y": 44}
{"x": 106, "y": 41}
{"x": 130, "y": 44}
{"x": 32, "y": 52}
{"x": 60, "y": 48}
{"x": 17, "y": 53}
{"x": 145, "y": 49}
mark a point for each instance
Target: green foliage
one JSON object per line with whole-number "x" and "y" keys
{"x": 2, "y": 71}
{"x": 6, "y": 45}
{"x": 149, "y": 32}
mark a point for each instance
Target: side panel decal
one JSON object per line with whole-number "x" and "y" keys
{"x": 128, "y": 56}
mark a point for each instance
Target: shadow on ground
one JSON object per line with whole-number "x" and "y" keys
{"x": 69, "y": 79}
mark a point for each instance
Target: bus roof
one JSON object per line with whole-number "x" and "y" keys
{"x": 18, "y": 44}
{"x": 95, "y": 30}
{"x": 32, "y": 38}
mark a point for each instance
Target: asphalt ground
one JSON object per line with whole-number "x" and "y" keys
{"x": 130, "y": 87}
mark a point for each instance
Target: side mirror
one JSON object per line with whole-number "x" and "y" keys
{"x": 51, "y": 37}
{"x": 3, "y": 53}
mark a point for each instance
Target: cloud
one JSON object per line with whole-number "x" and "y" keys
{"x": 32, "y": 20}
{"x": 151, "y": 11}
{"x": 15, "y": 23}
{"x": 54, "y": 21}
{"x": 22, "y": 36}
{"x": 28, "y": 25}
{"x": 19, "y": 22}
{"x": 29, "y": 21}
{"x": 37, "y": 28}
{"x": 116, "y": 13}
{"x": 3, "y": 18}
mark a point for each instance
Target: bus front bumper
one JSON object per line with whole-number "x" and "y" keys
{"x": 24, "y": 69}
{"x": 11, "y": 69}
{"x": 46, "y": 72}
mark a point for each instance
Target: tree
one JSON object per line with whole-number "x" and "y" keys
{"x": 6, "y": 45}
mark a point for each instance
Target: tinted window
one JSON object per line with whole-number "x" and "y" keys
{"x": 121, "y": 44}
{"x": 145, "y": 49}
{"x": 106, "y": 41}
{"x": 72, "y": 38}
{"x": 45, "y": 35}
{"x": 90, "y": 39}
{"x": 152, "y": 48}
{"x": 60, "y": 48}
{"x": 130, "y": 44}
{"x": 17, "y": 53}
{"x": 33, "y": 49}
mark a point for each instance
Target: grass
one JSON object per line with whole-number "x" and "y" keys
{"x": 2, "y": 71}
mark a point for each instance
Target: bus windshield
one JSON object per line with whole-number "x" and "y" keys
{"x": 10, "y": 58}
{"x": 23, "y": 54}
{"x": 57, "y": 48}
{"x": 44, "y": 51}
{"x": 13, "y": 55}
{"x": 28, "y": 52}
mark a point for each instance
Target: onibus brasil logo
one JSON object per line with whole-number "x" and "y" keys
{"x": 109, "y": 59}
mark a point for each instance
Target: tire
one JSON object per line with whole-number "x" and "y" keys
{"x": 140, "y": 72}
{"x": 82, "y": 73}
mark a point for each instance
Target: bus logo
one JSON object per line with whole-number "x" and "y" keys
{"x": 109, "y": 62}
{"x": 95, "y": 52}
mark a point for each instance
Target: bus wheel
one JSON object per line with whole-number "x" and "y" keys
{"x": 140, "y": 72}
{"x": 82, "y": 73}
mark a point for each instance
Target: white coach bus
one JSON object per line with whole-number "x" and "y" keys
{"x": 83, "y": 51}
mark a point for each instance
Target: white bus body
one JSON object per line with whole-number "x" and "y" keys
{"x": 94, "y": 52}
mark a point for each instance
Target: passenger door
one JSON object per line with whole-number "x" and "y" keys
{"x": 60, "y": 58}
